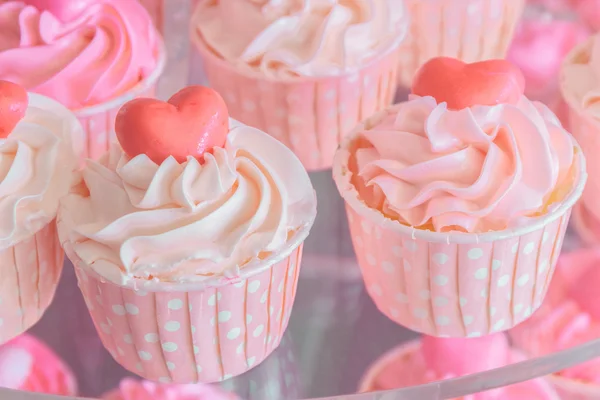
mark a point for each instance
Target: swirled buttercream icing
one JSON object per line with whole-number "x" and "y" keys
{"x": 280, "y": 38}
{"x": 37, "y": 167}
{"x": 477, "y": 169}
{"x": 81, "y": 53}
{"x": 184, "y": 222}
{"x": 131, "y": 389}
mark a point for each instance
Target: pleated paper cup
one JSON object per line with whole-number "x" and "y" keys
{"x": 453, "y": 284}
{"x": 99, "y": 121}
{"x": 470, "y": 30}
{"x": 30, "y": 272}
{"x": 194, "y": 332}
{"x": 309, "y": 115}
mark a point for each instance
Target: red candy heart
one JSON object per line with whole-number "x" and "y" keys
{"x": 463, "y": 85}
{"x": 193, "y": 121}
{"x": 13, "y": 105}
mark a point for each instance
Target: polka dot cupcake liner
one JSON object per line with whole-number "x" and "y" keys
{"x": 309, "y": 115}
{"x": 470, "y": 30}
{"x": 99, "y": 121}
{"x": 210, "y": 334}
{"x": 30, "y": 272}
{"x": 454, "y": 284}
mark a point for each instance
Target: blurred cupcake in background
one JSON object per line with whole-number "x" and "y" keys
{"x": 132, "y": 389}
{"x": 29, "y": 365}
{"x": 435, "y": 359}
{"x": 569, "y": 316}
{"x": 469, "y": 30}
{"x": 545, "y": 35}
{"x": 580, "y": 87}
{"x": 90, "y": 55}
{"x": 306, "y": 72}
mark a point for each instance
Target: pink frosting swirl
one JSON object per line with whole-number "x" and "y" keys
{"x": 185, "y": 222}
{"x": 479, "y": 169}
{"x": 28, "y": 364}
{"x": 131, "y": 389}
{"x": 300, "y": 37}
{"x": 37, "y": 167}
{"x": 91, "y": 56}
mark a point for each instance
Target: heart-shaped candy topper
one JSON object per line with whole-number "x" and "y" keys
{"x": 461, "y": 85}
{"x": 13, "y": 105}
{"x": 192, "y": 122}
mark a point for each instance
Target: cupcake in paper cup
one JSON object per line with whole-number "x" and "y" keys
{"x": 568, "y": 317}
{"x": 470, "y": 30}
{"x": 186, "y": 239}
{"x": 304, "y": 71}
{"x": 458, "y": 199}
{"x": 37, "y": 167}
{"x": 433, "y": 359}
{"x": 91, "y": 56}
{"x": 580, "y": 86}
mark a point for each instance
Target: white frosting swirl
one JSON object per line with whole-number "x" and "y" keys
{"x": 37, "y": 166}
{"x": 186, "y": 222}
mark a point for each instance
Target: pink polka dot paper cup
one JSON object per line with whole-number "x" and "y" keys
{"x": 470, "y": 30}
{"x": 98, "y": 121}
{"x": 195, "y": 332}
{"x": 453, "y": 284}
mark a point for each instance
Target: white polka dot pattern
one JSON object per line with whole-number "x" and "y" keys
{"x": 30, "y": 273}
{"x": 456, "y": 290}
{"x": 155, "y": 335}
{"x": 309, "y": 117}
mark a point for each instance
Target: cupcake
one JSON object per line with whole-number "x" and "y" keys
{"x": 432, "y": 359}
{"x": 470, "y": 30}
{"x": 569, "y": 316}
{"x": 186, "y": 239}
{"x": 36, "y": 169}
{"x": 91, "y": 56}
{"x": 580, "y": 86}
{"x": 306, "y": 72}
{"x": 131, "y": 389}
{"x": 26, "y": 364}
{"x": 542, "y": 40}
{"x": 458, "y": 199}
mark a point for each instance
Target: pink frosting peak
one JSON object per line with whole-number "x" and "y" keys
{"x": 300, "y": 37}
{"x": 80, "y": 53}
{"x": 459, "y": 356}
{"x": 28, "y": 364}
{"x": 131, "y": 389}
{"x": 479, "y": 169}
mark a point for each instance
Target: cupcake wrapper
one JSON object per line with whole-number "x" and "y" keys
{"x": 456, "y": 290}
{"x": 310, "y": 116}
{"x": 193, "y": 336}
{"x": 30, "y": 272}
{"x": 470, "y": 30}
{"x": 99, "y": 121}
{"x": 586, "y": 216}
